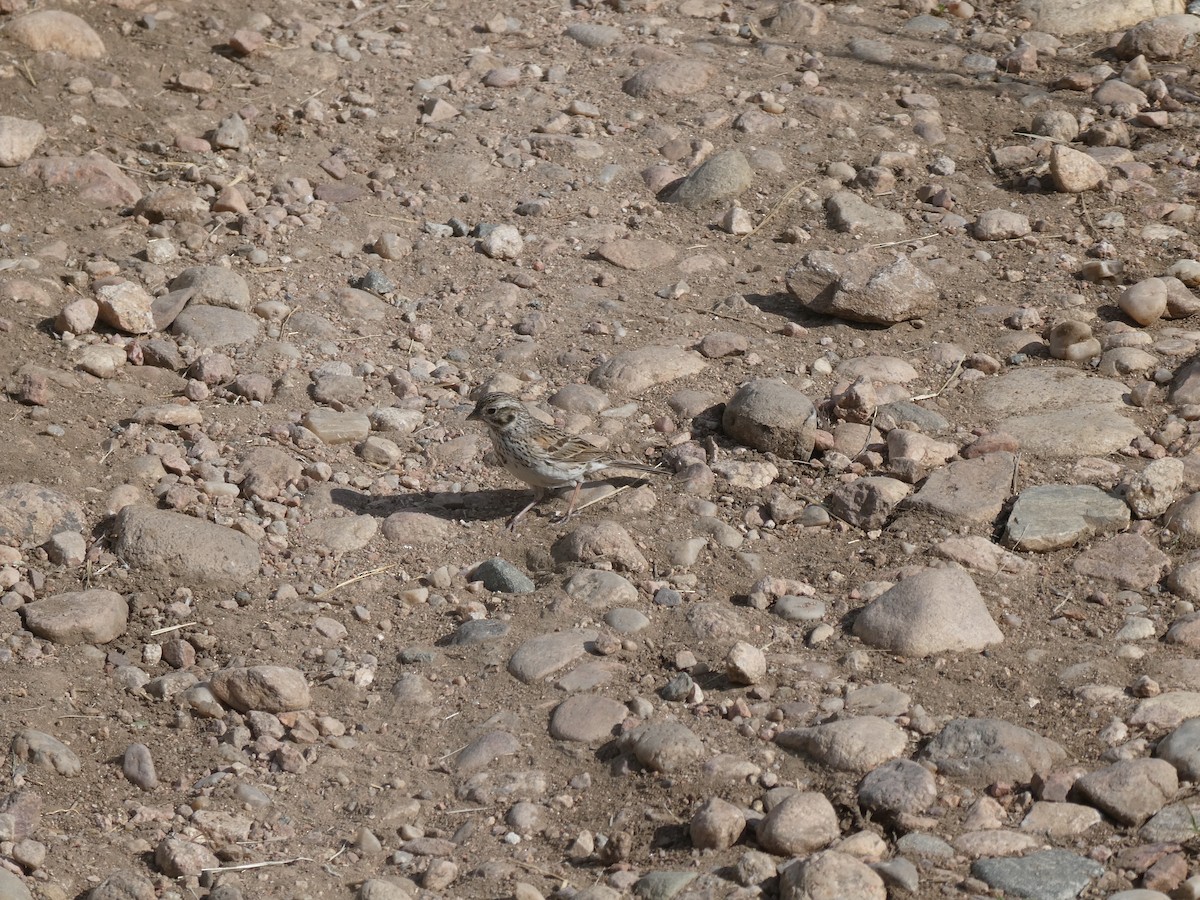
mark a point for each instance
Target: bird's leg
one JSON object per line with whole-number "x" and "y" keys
{"x": 571, "y": 505}
{"x": 539, "y": 494}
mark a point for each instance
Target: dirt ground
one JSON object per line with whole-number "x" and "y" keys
{"x": 331, "y": 90}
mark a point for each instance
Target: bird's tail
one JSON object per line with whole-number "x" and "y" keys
{"x": 638, "y": 467}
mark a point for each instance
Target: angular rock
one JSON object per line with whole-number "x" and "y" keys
{"x": 933, "y": 611}
{"x": 1128, "y": 560}
{"x": 973, "y": 491}
{"x": 720, "y": 177}
{"x": 866, "y": 286}
{"x": 45, "y": 752}
{"x": 1130, "y": 790}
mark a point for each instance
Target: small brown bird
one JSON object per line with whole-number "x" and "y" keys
{"x": 543, "y": 456}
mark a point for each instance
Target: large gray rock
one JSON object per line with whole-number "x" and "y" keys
{"x": 934, "y": 611}
{"x": 1053, "y": 516}
{"x": 719, "y": 177}
{"x": 184, "y": 548}
{"x": 772, "y": 417}
{"x": 1093, "y": 16}
{"x": 987, "y": 751}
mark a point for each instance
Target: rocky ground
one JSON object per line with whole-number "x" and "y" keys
{"x": 900, "y": 296}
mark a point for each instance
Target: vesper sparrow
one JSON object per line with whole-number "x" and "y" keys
{"x": 543, "y": 456}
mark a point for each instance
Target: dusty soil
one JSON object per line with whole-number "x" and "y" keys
{"x": 546, "y": 320}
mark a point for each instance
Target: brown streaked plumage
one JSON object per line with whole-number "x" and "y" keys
{"x": 541, "y": 455}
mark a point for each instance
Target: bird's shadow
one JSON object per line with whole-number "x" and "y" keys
{"x": 472, "y": 506}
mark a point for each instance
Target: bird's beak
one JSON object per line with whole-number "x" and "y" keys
{"x": 473, "y": 416}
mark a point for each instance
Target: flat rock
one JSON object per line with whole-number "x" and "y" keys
{"x": 972, "y": 491}
{"x": 1051, "y": 387}
{"x": 82, "y": 617}
{"x": 669, "y": 78}
{"x": 1128, "y": 560}
{"x": 868, "y": 286}
{"x": 95, "y": 179}
{"x": 215, "y": 326}
{"x": 978, "y": 554}
{"x": 636, "y": 254}
{"x": 986, "y": 751}
{"x": 856, "y": 744}
{"x": 1060, "y": 820}
{"x": 185, "y": 548}
{"x": 849, "y": 213}
{"x": 1070, "y": 433}
{"x": 933, "y": 611}
{"x": 1167, "y": 710}
{"x": 1045, "y": 875}
{"x": 214, "y": 286}
{"x": 31, "y": 513}
{"x": 272, "y": 689}
{"x": 485, "y": 750}
{"x": 344, "y": 534}
{"x": 336, "y": 427}
{"x": 632, "y": 372}
{"x": 1053, "y": 516}
{"x": 586, "y": 718}
{"x": 545, "y": 654}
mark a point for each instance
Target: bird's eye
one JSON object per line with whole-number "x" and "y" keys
{"x": 491, "y": 410}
